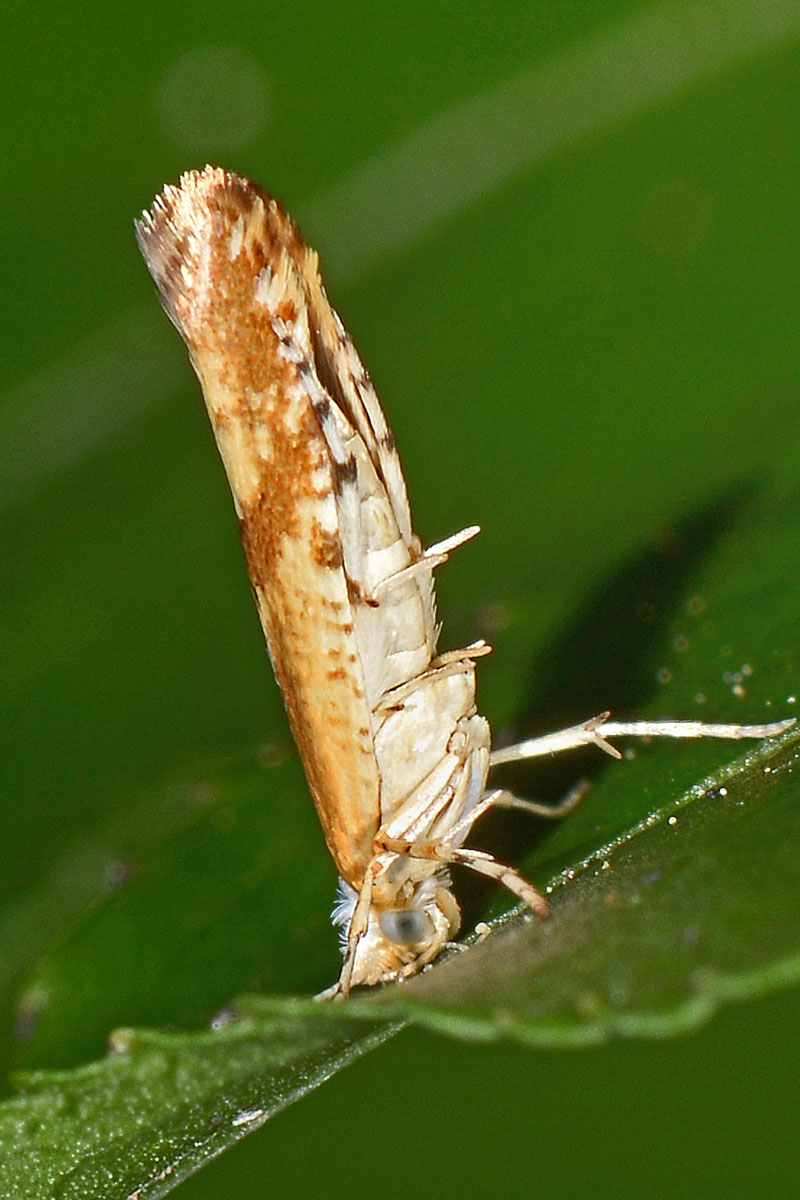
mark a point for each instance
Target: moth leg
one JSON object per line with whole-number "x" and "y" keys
{"x": 537, "y": 808}
{"x": 476, "y": 860}
{"x": 479, "y": 934}
{"x": 452, "y": 662}
{"x": 597, "y": 730}
{"x": 474, "y": 650}
{"x": 430, "y": 559}
{"x": 500, "y": 798}
{"x": 358, "y": 927}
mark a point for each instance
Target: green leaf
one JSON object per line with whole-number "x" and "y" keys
{"x": 162, "y": 1105}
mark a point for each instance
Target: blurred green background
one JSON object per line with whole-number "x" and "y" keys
{"x": 565, "y": 238}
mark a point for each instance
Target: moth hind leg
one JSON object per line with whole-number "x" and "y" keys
{"x": 598, "y": 730}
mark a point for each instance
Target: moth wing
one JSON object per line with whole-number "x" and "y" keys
{"x": 395, "y": 626}
{"x": 232, "y": 270}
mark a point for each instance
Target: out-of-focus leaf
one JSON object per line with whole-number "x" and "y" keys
{"x": 162, "y": 1104}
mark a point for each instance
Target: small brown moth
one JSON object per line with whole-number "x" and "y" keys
{"x": 394, "y": 750}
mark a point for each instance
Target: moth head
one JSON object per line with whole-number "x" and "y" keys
{"x": 402, "y": 937}
{"x": 411, "y": 926}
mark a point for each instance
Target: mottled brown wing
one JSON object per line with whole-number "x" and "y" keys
{"x": 233, "y": 272}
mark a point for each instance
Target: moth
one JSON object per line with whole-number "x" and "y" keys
{"x": 395, "y": 753}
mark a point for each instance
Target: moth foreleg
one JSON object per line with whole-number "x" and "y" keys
{"x": 476, "y": 860}
{"x": 359, "y": 923}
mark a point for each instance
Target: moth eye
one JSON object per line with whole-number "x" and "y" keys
{"x": 406, "y": 926}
